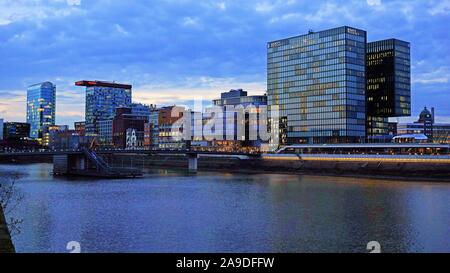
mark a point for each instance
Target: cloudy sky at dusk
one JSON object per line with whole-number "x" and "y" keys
{"x": 175, "y": 51}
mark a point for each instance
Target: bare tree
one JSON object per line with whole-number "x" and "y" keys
{"x": 10, "y": 198}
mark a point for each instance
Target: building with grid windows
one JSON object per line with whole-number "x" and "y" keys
{"x": 251, "y": 105}
{"x": 15, "y": 131}
{"x": 317, "y": 82}
{"x": 41, "y": 106}
{"x": 151, "y": 128}
{"x": 102, "y": 99}
{"x": 388, "y": 88}
{"x": 105, "y": 132}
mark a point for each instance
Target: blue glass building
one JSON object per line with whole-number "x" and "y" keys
{"x": 317, "y": 81}
{"x": 41, "y": 106}
{"x": 102, "y": 99}
{"x": 139, "y": 109}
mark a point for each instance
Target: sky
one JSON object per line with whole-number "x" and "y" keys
{"x": 175, "y": 51}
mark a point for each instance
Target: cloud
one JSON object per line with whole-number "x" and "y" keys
{"x": 193, "y": 88}
{"x": 73, "y": 2}
{"x": 431, "y": 80}
{"x": 190, "y": 22}
{"x": 5, "y": 94}
{"x": 439, "y": 75}
{"x": 441, "y": 8}
{"x": 13, "y": 105}
{"x": 172, "y": 51}
{"x": 222, "y": 5}
{"x": 332, "y": 12}
{"x": 264, "y": 7}
{"x": 287, "y": 17}
{"x": 121, "y": 30}
{"x": 13, "y": 11}
{"x": 374, "y": 2}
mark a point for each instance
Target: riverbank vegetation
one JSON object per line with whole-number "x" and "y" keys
{"x": 10, "y": 198}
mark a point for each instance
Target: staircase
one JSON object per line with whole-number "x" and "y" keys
{"x": 107, "y": 171}
{"x": 102, "y": 166}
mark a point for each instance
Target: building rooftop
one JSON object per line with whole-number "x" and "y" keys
{"x": 275, "y": 43}
{"x": 42, "y": 84}
{"x": 103, "y": 84}
{"x": 414, "y": 136}
{"x": 371, "y": 145}
{"x": 233, "y": 93}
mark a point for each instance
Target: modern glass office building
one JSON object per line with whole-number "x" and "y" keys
{"x": 388, "y": 85}
{"x": 41, "y": 106}
{"x": 102, "y": 99}
{"x": 317, "y": 81}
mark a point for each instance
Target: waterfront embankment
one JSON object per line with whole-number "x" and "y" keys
{"x": 26, "y": 159}
{"x": 396, "y": 169}
{"x": 428, "y": 170}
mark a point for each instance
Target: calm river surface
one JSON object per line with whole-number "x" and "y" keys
{"x": 170, "y": 211}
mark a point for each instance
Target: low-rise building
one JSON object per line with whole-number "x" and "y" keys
{"x": 151, "y": 128}
{"x": 411, "y": 138}
{"x": 80, "y": 127}
{"x": 170, "y": 134}
{"x": 51, "y": 134}
{"x": 128, "y": 128}
{"x": 16, "y": 130}
{"x": 16, "y": 135}
{"x": 68, "y": 140}
{"x": 426, "y": 125}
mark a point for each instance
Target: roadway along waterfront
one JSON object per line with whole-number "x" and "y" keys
{"x": 171, "y": 211}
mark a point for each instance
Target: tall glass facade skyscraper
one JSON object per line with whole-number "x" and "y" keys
{"x": 318, "y": 82}
{"x": 388, "y": 85}
{"x": 102, "y": 99}
{"x": 41, "y": 106}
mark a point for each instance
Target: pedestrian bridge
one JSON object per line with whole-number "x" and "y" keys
{"x": 86, "y": 162}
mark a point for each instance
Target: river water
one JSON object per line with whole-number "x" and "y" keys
{"x": 171, "y": 211}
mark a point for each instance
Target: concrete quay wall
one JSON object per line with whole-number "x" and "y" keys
{"x": 405, "y": 170}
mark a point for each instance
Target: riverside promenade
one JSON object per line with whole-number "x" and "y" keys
{"x": 6, "y": 245}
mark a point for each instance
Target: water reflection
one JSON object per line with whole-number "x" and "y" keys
{"x": 170, "y": 211}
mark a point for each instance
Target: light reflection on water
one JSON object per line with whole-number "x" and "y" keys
{"x": 170, "y": 211}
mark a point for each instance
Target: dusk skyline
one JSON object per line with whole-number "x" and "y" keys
{"x": 175, "y": 51}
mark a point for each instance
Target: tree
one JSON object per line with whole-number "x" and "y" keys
{"x": 9, "y": 200}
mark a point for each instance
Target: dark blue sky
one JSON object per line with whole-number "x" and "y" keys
{"x": 176, "y": 51}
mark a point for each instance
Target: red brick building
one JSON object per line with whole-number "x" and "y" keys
{"x": 126, "y": 121}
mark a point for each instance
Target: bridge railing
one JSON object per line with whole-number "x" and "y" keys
{"x": 153, "y": 150}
